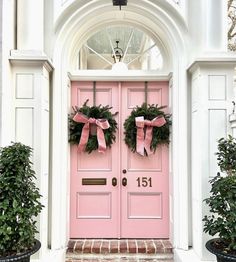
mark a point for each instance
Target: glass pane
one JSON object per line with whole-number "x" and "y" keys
{"x": 130, "y": 45}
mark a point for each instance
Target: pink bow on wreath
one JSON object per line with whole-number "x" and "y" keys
{"x": 145, "y": 141}
{"x": 100, "y": 123}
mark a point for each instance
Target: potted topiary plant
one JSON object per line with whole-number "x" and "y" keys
{"x": 19, "y": 204}
{"x": 222, "y": 203}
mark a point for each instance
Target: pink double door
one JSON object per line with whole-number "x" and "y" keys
{"x": 119, "y": 194}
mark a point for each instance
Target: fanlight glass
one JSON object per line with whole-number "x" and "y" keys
{"x": 139, "y": 51}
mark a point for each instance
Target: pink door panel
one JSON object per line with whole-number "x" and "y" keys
{"x": 145, "y": 204}
{"x": 94, "y": 210}
{"x": 138, "y": 209}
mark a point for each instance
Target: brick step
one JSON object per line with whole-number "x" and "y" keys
{"x": 119, "y": 246}
{"x": 124, "y": 258}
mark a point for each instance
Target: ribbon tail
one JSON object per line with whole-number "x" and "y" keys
{"x": 101, "y": 140}
{"x": 84, "y": 137}
{"x": 140, "y": 141}
{"x": 148, "y": 140}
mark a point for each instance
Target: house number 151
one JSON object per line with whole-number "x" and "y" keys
{"x": 144, "y": 181}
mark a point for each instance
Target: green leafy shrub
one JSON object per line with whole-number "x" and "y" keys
{"x": 19, "y": 200}
{"x": 226, "y": 155}
{"x": 222, "y": 201}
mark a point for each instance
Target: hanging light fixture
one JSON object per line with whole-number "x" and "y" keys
{"x": 118, "y": 53}
{"x": 119, "y": 3}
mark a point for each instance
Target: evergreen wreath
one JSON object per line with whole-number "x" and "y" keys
{"x": 149, "y": 112}
{"x": 97, "y": 112}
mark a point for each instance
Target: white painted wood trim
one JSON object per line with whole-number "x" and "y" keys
{"x": 109, "y": 75}
{"x": 18, "y": 57}
{"x": 223, "y": 60}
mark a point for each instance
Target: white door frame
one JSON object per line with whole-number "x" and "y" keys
{"x": 69, "y": 39}
{"x": 179, "y": 217}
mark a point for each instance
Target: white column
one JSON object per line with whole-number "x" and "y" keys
{"x": 30, "y": 24}
{"x": 216, "y": 25}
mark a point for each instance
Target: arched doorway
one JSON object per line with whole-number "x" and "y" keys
{"x": 73, "y": 28}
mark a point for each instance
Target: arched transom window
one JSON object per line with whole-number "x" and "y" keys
{"x": 127, "y": 46}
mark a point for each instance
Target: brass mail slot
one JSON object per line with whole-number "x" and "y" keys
{"x": 94, "y": 181}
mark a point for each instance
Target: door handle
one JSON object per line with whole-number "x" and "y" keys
{"x": 124, "y": 171}
{"x": 124, "y": 181}
{"x": 114, "y": 181}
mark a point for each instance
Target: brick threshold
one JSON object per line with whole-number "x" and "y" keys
{"x": 119, "y": 246}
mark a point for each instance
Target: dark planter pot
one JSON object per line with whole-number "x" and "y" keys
{"x": 221, "y": 257}
{"x": 24, "y": 257}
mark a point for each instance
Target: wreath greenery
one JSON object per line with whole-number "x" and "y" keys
{"x": 98, "y": 112}
{"x": 149, "y": 112}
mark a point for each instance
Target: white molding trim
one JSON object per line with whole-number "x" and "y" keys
{"x": 209, "y": 60}
{"x": 21, "y": 57}
{"x": 109, "y": 75}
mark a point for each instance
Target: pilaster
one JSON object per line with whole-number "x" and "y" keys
{"x": 30, "y": 120}
{"x": 211, "y": 96}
